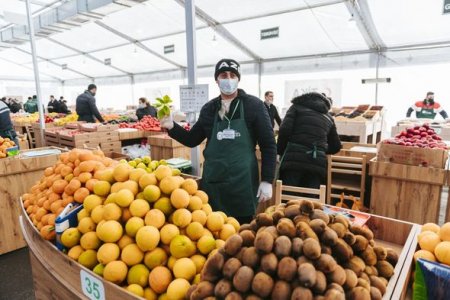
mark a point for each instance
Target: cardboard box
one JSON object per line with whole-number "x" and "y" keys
{"x": 98, "y": 127}
{"x": 435, "y": 158}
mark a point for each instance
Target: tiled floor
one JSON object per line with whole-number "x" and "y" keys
{"x": 16, "y": 282}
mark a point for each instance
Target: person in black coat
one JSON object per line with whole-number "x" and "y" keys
{"x": 63, "y": 109}
{"x": 53, "y": 105}
{"x": 145, "y": 109}
{"x": 307, "y": 134}
{"x": 85, "y": 106}
{"x": 271, "y": 109}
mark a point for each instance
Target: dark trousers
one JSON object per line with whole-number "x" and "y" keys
{"x": 301, "y": 179}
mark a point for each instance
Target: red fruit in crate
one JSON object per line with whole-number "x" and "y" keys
{"x": 431, "y": 131}
{"x": 416, "y": 132}
{"x": 401, "y": 143}
{"x": 423, "y": 134}
{"x": 416, "y": 127}
{"x": 422, "y": 129}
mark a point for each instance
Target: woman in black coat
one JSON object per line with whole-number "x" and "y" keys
{"x": 145, "y": 109}
{"x": 307, "y": 134}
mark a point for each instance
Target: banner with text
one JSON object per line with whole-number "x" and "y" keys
{"x": 330, "y": 87}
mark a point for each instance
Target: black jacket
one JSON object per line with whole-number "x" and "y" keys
{"x": 308, "y": 126}
{"x": 273, "y": 114}
{"x": 62, "y": 108}
{"x": 53, "y": 106}
{"x": 258, "y": 124}
{"x": 146, "y": 111}
{"x": 86, "y": 108}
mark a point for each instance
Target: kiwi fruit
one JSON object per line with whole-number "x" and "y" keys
{"x": 251, "y": 257}
{"x": 283, "y": 246}
{"x": 339, "y": 228}
{"x": 204, "y": 289}
{"x": 334, "y": 294}
{"x": 329, "y": 237}
{"x": 335, "y": 286}
{"x": 190, "y": 291}
{"x": 305, "y": 231}
{"x": 342, "y": 251}
{"x": 319, "y": 214}
{"x": 351, "y": 280}
{"x": 317, "y": 205}
{"x": 357, "y": 229}
{"x": 356, "y": 264}
{"x": 307, "y": 275}
{"x": 286, "y": 227}
{"x": 301, "y": 293}
{"x": 321, "y": 283}
{"x": 384, "y": 280}
{"x": 375, "y": 294}
{"x": 264, "y": 219}
{"x": 301, "y": 218}
{"x": 325, "y": 263}
{"x": 303, "y": 259}
{"x": 253, "y": 226}
{"x": 297, "y": 247}
{"x": 291, "y": 211}
{"x": 349, "y": 238}
{"x": 240, "y": 253}
{"x": 371, "y": 270}
{"x": 376, "y": 282}
{"x": 369, "y": 256}
{"x": 326, "y": 249}
{"x": 248, "y": 237}
{"x": 264, "y": 242}
{"x": 272, "y": 230}
{"x": 360, "y": 244}
{"x": 281, "y": 290}
{"x": 212, "y": 269}
{"x": 245, "y": 227}
{"x": 319, "y": 297}
{"x": 243, "y": 278}
{"x": 234, "y": 296}
{"x": 364, "y": 276}
{"x": 318, "y": 226}
{"x": 311, "y": 248}
{"x": 286, "y": 269}
{"x": 337, "y": 276}
{"x": 260, "y": 229}
{"x": 230, "y": 267}
{"x": 372, "y": 243}
{"x": 363, "y": 283}
{"x": 385, "y": 269}
{"x": 233, "y": 244}
{"x": 380, "y": 252}
{"x": 277, "y": 216}
{"x": 307, "y": 207}
{"x": 392, "y": 256}
{"x": 293, "y": 202}
{"x": 269, "y": 263}
{"x": 262, "y": 284}
{"x": 359, "y": 293}
{"x": 253, "y": 297}
{"x": 338, "y": 218}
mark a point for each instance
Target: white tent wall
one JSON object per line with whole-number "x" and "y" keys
{"x": 28, "y": 88}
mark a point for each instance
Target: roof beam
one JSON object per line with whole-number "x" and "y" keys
{"x": 87, "y": 55}
{"x": 359, "y": 9}
{"x": 138, "y": 43}
{"x": 55, "y": 63}
{"x": 30, "y": 68}
{"x": 222, "y": 31}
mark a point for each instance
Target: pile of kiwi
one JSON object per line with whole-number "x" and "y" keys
{"x": 297, "y": 251}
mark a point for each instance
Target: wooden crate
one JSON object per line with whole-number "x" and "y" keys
{"x": 111, "y": 146}
{"x": 98, "y": 127}
{"x": 406, "y": 192}
{"x": 164, "y": 147}
{"x": 109, "y": 136}
{"x": 116, "y": 155}
{"x": 362, "y": 130}
{"x": 358, "y": 150}
{"x": 17, "y": 176}
{"x": 91, "y": 139}
{"x": 131, "y": 135}
{"x": 412, "y": 156}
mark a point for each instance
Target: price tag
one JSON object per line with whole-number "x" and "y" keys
{"x": 438, "y": 130}
{"x": 91, "y": 286}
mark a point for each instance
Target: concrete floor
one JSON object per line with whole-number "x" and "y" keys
{"x": 16, "y": 281}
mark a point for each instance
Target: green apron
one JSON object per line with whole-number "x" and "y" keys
{"x": 426, "y": 113}
{"x": 230, "y": 172}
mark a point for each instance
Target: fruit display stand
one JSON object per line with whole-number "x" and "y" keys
{"x": 162, "y": 147}
{"x": 17, "y": 175}
{"x": 364, "y": 131}
{"x": 358, "y": 150}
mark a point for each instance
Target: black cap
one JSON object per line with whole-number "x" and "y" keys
{"x": 227, "y": 64}
{"x": 91, "y": 86}
{"x": 430, "y": 93}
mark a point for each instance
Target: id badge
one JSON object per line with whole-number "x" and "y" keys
{"x": 228, "y": 134}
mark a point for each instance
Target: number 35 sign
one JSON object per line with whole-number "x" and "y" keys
{"x": 91, "y": 286}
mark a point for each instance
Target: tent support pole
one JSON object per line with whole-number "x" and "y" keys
{"x": 377, "y": 70}
{"x": 133, "y": 96}
{"x": 259, "y": 78}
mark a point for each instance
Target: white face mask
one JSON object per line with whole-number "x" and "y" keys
{"x": 228, "y": 86}
{"x": 141, "y": 105}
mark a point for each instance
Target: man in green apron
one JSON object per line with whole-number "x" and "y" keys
{"x": 427, "y": 109}
{"x": 233, "y": 124}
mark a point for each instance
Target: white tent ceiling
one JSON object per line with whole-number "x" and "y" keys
{"x": 313, "y": 34}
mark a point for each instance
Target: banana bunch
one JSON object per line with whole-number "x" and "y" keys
{"x": 163, "y": 106}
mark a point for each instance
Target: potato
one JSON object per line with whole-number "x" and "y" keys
{"x": 297, "y": 247}
{"x": 385, "y": 269}
{"x": 305, "y": 231}
{"x": 392, "y": 256}
{"x": 334, "y": 294}
{"x": 306, "y": 207}
{"x": 281, "y": 290}
{"x": 356, "y": 264}
{"x": 375, "y": 294}
{"x": 338, "y": 228}
{"x": 329, "y": 237}
{"x": 364, "y": 276}
{"x": 319, "y": 214}
{"x": 367, "y": 233}
{"x": 371, "y": 270}
{"x": 360, "y": 244}
{"x": 325, "y": 249}
{"x": 286, "y": 227}
{"x": 230, "y": 267}
{"x": 243, "y": 278}
{"x": 253, "y": 225}
{"x": 204, "y": 289}
{"x": 338, "y": 218}
{"x": 337, "y": 276}
{"x": 335, "y": 286}
{"x": 372, "y": 243}
{"x": 369, "y": 256}
{"x": 359, "y": 293}
{"x": 317, "y": 205}
{"x": 291, "y": 211}
{"x": 303, "y": 259}
{"x": 321, "y": 283}
{"x": 277, "y": 216}
{"x": 311, "y": 248}
{"x": 301, "y": 218}
{"x": 245, "y": 227}
{"x": 283, "y": 246}
{"x": 240, "y": 253}
{"x": 286, "y": 268}
{"x": 272, "y": 230}
{"x": 318, "y": 226}
{"x": 248, "y": 237}
{"x": 301, "y": 293}
{"x": 233, "y": 244}
{"x": 212, "y": 269}
{"x": 234, "y": 296}
{"x": 325, "y": 263}
{"x": 384, "y": 280}
{"x": 269, "y": 263}
{"x": 262, "y": 284}
{"x": 342, "y": 251}
{"x": 264, "y": 219}
{"x": 380, "y": 252}
{"x": 307, "y": 275}
{"x": 253, "y": 297}
{"x": 376, "y": 282}
{"x": 251, "y": 257}
{"x": 349, "y": 238}
{"x": 363, "y": 283}
{"x": 351, "y": 280}
{"x": 264, "y": 242}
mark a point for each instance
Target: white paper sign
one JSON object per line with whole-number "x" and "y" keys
{"x": 193, "y": 97}
{"x": 91, "y": 286}
{"x": 331, "y": 87}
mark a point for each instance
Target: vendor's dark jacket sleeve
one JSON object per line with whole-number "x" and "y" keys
{"x": 258, "y": 124}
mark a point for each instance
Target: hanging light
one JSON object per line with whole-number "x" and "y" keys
{"x": 214, "y": 41}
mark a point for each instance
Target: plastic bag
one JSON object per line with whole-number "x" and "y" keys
{"x": 136, "y": 150}
{"x": 431, "y": 281}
